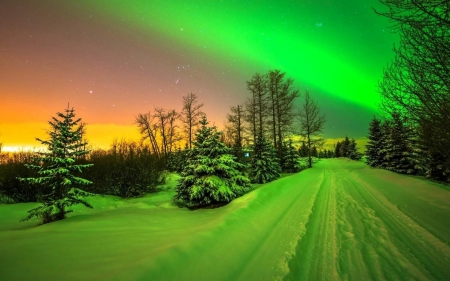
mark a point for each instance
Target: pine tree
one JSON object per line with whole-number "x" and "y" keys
{"x": 399, "y": 151}
{"x": 56, "y": 168}
{"x": 330, "y": 154}
{"x": 337, "y": 150}
{"x": 344, "y": 147}
{"x": 210, "y": 175}
{"x": 374, "y": 145}
{"x": 264, "y": 165}
{"x": 352, "y": 151}
{"x": 385, "y": 144}
{"x": 291, "y": 159}
{"x": 303, "y": 151}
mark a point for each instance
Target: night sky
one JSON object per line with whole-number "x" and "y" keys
{"x": 114, "y": 59}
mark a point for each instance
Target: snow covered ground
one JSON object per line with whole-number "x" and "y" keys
{"x": 340, "y": 220}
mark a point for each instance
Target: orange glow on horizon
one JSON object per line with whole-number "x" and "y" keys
{"x": 22, "y": 137}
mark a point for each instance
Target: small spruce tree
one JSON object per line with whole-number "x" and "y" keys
{"x": 264, "y": 165}
{"x": 56, "y": 168}
{"x": 210, "y": 175}
{"x": 291, "y": 163}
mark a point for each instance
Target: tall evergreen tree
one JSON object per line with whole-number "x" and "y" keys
{"x": 344, "y": 147}
{"x": 211, "y": 174}
{"x": 291, "y": 158}
{"x": 264, "y": 165}
{"x": 57, "y": 167}
{"x": 399, "y": 151}
{"x": 374, "y": 144}
{"x": 384, "y": 144}
{"x": 337, "y": 150}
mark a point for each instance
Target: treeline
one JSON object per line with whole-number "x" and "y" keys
{"x": 127, "y": 169}
{"x": 347, "y": 148}
{"x": 256, "y": 132}
{"x": 260, "y": 127}
{"x": 395, "y": 145}
{"x": 267, "y": 119}
{"x": 415, "y": 137}
{"x": 303, "y": 151}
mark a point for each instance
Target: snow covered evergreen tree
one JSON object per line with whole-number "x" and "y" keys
{"x": 57, "y": 167}
{"x": 399, "y": 151}
{"x": 385, "y": 144}
{"x": 264, "y": 165}
{"x": 210, "y": 175}
{"x": 374, "y": 145}
{"x": 352, "y": 150}
{"x": 291, "y": 159}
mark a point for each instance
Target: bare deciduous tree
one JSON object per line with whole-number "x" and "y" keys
{"x": 311, "y": 124}
{"x": 417, "y": 82}
{"x": 161, "y": 124}
{"x": 234, "y": 127}
{"x": 257, "y": 106}
{"x": 190, "y": 115}
{"x": 148, "y": 130}
{"x": 166, "y": 125}
{"x": 172, "y": 134}
{"x": 282, "y": 96}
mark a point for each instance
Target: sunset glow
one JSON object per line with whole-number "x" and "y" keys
{"x": 112, "y": 60}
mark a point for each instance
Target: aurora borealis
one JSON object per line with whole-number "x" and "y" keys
{"x": 114, "y": 59}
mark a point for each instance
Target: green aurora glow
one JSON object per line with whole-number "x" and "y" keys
{"x": 311, "y": 42}
{"x": 114, "y": 59}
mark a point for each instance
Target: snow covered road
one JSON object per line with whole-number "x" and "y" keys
{"x": 365, "y": 226}
{"x": 340, "y": 220}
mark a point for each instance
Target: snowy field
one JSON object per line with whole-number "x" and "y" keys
{"x": 341, "y": 220}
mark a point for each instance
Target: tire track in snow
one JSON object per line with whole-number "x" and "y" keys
{"x": 355, "y": 233}
{"x": 262, "y": 235}
{"x": 352, "y": 265}
{"x": 287, "y": 230}
{"x": 373, "y": 255}
{"x": 316, "y": 252}
{"x": 335, "y": 220}
{"x": 406, "y": 250}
